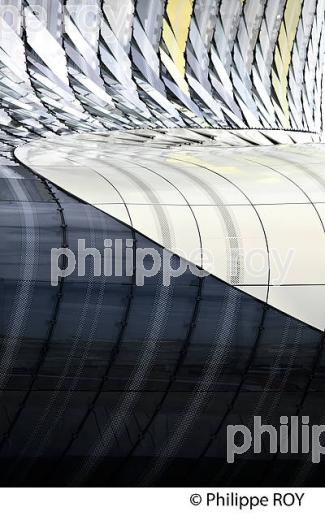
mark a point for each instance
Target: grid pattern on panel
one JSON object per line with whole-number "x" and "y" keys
{"x": 216, "y": 203}
{"x": 72, "y": 409}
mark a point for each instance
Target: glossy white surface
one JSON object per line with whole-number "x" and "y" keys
{"x": 255, "y": 215}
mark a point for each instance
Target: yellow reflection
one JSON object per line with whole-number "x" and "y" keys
{"x": 282, "y": 59}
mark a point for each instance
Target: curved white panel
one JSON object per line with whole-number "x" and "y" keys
{"x": 248, "y": 212}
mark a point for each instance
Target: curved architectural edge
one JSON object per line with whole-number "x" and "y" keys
{"x": 253, "y": 216}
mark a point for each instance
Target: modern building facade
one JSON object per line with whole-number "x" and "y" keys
{"x": 186, "y": 130}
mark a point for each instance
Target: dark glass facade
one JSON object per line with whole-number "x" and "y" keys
{"x": 107, "y": 383}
